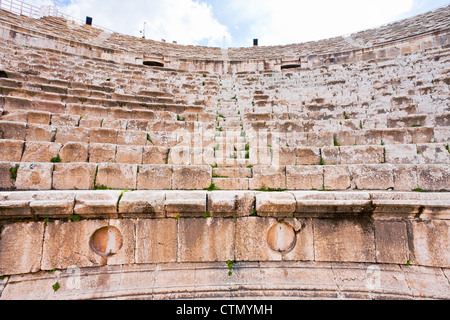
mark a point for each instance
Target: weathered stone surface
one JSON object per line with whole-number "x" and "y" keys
{"x": 231, "y": 183}
{"x": 282, "y": 204}
{"x": 40, "y": 151}
{"x": 39, "y": 117}
{"x": 401, "y": 154}
{"x": 157, "y": 241}
{"x": 191, "y": 177}
{"x": 34, "y": 176}
{"x": 36, "y": 132}
{"x": 74, "y": 176}
{"x": 405, "y": 177}
{"x": 103, "y": 135}
{"x": 129, "y": 154}
{"x": 6, "y": 177}
{"x": 99, "y": 152}
{"x": 391, "y": 242}
{"x": 185, "y": 203}
{"x": 13, "y": 130}
{"x": 336, "y": 178}
{"x": 304, "y": 177}
{"x": 74, "y": 152}
{"x": 21, "y": 248}
{"x": 179, "y": 156}
{"x": 433, "y": 177}
{"x": 331, "y": 155}
{"x": 307, "y": 156}
{"x": 231, "y": 203}
{"x": 71, "y": 134}
{"x": 206, "y": 240}
{"x": 154, "y": 177}
{"x": 155, "y": 155}
{"x": 344, "y": 240}
{"x": 145, "y": 204}
{"x": 361, "y": 154}
{"x": 130, "y": 137}
{"x": 433, "y": 154}
{"x": 68, "y": 244}
{"x": 53, "y": 204}
{"x": 431, "y": 242}
{"x": 11, "y": 150}
{"x": 372, "y": 177}
{"x": 117, "y": 176}
{"x": 268, "y": 177}
{"x": 97, "y": 203}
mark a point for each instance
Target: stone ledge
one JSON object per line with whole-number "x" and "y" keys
{"x": 160, "y": 204}
{"x": 305, "y": 280}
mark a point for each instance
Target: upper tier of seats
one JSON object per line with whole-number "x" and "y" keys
{"x": 70, "y": 120}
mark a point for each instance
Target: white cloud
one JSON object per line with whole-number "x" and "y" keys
{"x": 184, "y": 21}
{"x": 293, "y": 21}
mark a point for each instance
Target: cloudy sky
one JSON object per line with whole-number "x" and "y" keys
{"x": 237, "y": 22}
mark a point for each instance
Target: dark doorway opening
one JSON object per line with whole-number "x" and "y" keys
{"x": 153, "y": 63}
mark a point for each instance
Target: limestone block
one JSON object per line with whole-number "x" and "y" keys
{"x": 117, "y": 176}
{"x": 231, "y": 203}
{"x": 71, "y": 134}
{"x": 40, "y": 151}
{"x": 64, "y": 120}
{"x": 265, "y": 239}
{"x": 129, "y": 154}
{"x": 285, "y": 157}
{"x": 37, "y": 132}
{"x": 323, "y": 139}
{"x": 69, "y": 244}
{"x": 441, "y": 135}
{"x": 372, "y": 177}
{"x": 421, "y": 135}
{"x": 401, "y": 154}
{"x": 229, "y": 172}
{"x": 344, "y": 240}
{"x": 368, "y": 137}
{"x": 157, "y": 241}
{"x": 191, "y": 177}
{"x": 145, "y": 204}
{"x": 405, "y": 177}
{"x": 231, "y": 183}
{"x": 74, "y": 152}
{"x": 185, "y": 203}
{"x": 206, "y": 240}
{"x": 345, "y": 138}
{"x": 74, "y": 176}
{"x": 202, "y": 156}
{"x": 307, "y": 156}
{"x": 99, "y": 152}
{"x": 433, "y": 177}
{"x": 34, "y": 176}
{"x": 39, "y": 117}
{"x": 117, "y": 124}
{"x": 16, "y": 204}
{"x": 179, "y": 156}
{"x": 21, "y": 248}
{"x": 268, "y": 177}
{"x": 13, "y": 130}
{"x": 279, "y": 204}
{"x": 431, "y": 243}
{"x": 331, "y": 155}
{"x": 53, "y": 204}
{"x": 155, "y": 155}
{"x": 259, "y": 156}
{"x": 11, "y": 150}
{"x": 304, "y": 177}
{"x": 391, "y": 241}
{"x": 336, "y": 178}
{"x": 433, "y": 153}
{"x": 6, "y": 177}
{"x": 96, "y": 203}
{"x": 129, "y": 137}
{"x": 395, "y": 136}
{"x": 154, "y": 177}
{"x": 103, "y": 135}
{"x": 361, "y": 154}
{"x": 162, "y": 138}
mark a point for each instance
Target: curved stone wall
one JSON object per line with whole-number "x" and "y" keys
{"x": 136, "y": 169}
